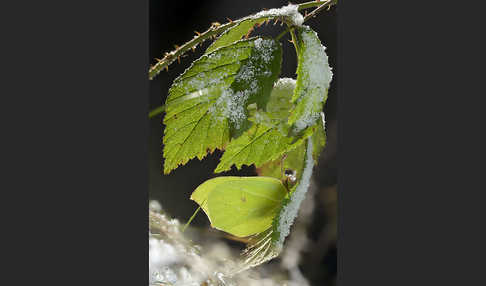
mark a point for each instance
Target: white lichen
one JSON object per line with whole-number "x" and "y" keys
{"x": 316, "y": 77}
{"x": 291, "y": 12}
{"x": 289, "y": 211}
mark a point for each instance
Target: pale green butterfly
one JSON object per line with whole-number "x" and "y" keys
{"x": 251, "y": 206}
{"x": 241, "y": 206}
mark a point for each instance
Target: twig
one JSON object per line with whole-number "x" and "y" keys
{"x": 215, "y": 30}
{"x": 323, "y": 4}
{"x": 169, "y": 58}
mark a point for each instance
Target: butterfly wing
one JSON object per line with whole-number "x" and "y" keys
{"x": 241, "y": 206}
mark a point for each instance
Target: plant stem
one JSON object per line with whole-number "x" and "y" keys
{"x": 294, "y": 41}
{"x": 323, "y": 4}
{"x": 217, "y": 29}
{"x": 169, "y": 58}
{"x": 319, "y": 9}
{"x": 156, "y": 111}
{"x": 312, "y": 4}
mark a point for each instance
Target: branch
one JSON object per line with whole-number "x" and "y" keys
{"x": 215, "y": 30}
{"x": 169, "y": 58}
{"x": 312, "y": 4}
{"x": 328, "y": 5}
{"x": 323, "y": 4}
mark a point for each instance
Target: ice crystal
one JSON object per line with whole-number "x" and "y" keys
{"x": 289, "y": 211}
{"x": 290, "y": 11}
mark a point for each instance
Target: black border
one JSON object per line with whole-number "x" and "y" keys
{"x": 409, "y": 116}
{"x": 76, "y": 76}
{"x": 76, "y": 160}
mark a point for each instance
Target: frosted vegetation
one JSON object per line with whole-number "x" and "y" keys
{"x": 290, "y": 11}
{"x": 176, "y": 261}
{"x": 232, "y": 99}
{"x": 314, "y": 78}
{"x": 233, "y": 103}
{"x": 290, "y": 210}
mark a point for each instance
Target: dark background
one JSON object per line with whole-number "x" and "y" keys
{"x": 174, "y": 22}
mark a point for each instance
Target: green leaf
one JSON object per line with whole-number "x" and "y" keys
{"x": 207, "y": 103}
{"x": 313, "y": 78}
{"x": 267, "y": 139}
{"x": 241, "y": 206}
{"x": 234, "y": 34}
{"x": 290, "y": 206}
{"x": 319, "y": 139}
{"x": 294, "y": 160}
{"x": 260, "y": 72}
{"x": 288, "y": 14}
{"x": 280, "y": 103}
{"x": 260, "y": 144}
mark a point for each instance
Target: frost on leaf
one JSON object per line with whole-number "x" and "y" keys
{"x": 269, "y": 243}
{"x": 235, "y": 33}
{"x": 314, "y": 77}
{"x": 259, "y": 145}
{"x": 290, "y": 13}
{"x": 267, "y": 139}
{"x": 293, "y": 160}
{"x": 206, "y": 105}
{"x": 290, "y": 208}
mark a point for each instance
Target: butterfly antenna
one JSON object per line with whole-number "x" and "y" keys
{"x": 192, "y": 217}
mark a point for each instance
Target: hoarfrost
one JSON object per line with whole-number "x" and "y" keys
{"x": 233, "y": 104}
{"x": 287, "y": 84}
{"x": 161, "y": 253}
{"x": 289, "y": 211}
{"x": 290, "y": 11}
{"x": 305, "y": 121}
{"x": 155, "y": 206}
{"x": 174, "y": 261}
{"x": 318, "y": 76}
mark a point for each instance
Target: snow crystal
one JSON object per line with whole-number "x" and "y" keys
{"x": 264, "y": 48}
{"x": 161, "y": 253}
{"x": 289, "y": 212}
{"x": 285, "y": 83}
{"x": 316, "y": 59}
{"x": 213, "y": 263}
{"x": 290, "y": 11}
{"x": 233, "y": 104}
{"x": 155, "y": 206}
{"x": 305, "y": 121}
{"x": 317, "y": 76}
{"x": 201, "y": 81}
